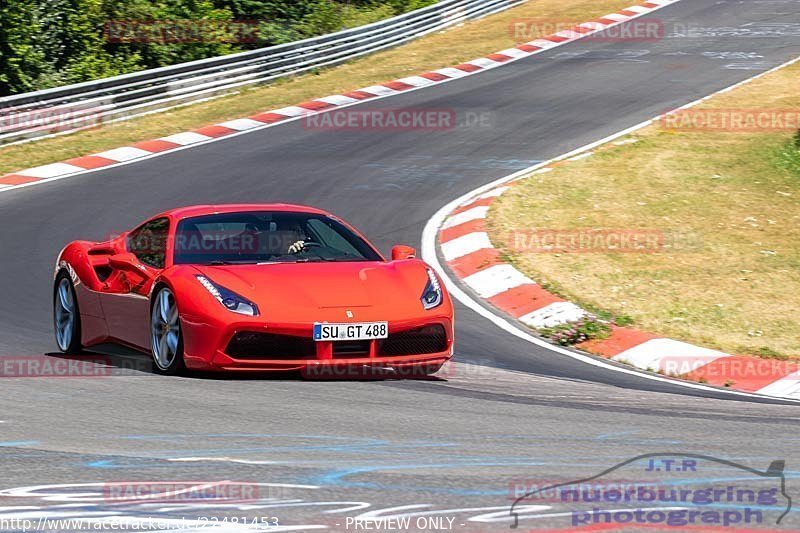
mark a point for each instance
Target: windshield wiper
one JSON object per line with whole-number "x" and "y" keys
{"x": 221, "y": 262}
{"x": 309, "y": 260}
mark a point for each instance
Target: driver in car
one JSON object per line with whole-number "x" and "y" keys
{"x": 300, "y": 241}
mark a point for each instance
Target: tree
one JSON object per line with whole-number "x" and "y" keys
{"x": 21, "y": 59}
{"x": 47, "y": 43}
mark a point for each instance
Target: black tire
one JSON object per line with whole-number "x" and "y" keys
{"x": 72, "y": 346}
{"x": 175, "y": 365}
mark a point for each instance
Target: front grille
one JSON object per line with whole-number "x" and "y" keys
{"x": 253, "y": 345}
{"x": 351, "y": 348}
{"x": 427, "y": 339}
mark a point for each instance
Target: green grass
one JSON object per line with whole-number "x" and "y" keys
{"x": 730, "y": 200}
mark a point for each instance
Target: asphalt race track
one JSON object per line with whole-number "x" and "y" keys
{"x": 450, "y": 447}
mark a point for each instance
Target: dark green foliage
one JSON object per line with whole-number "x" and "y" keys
{"x": 22, "y": 58}
{"x": 47, "y": 43}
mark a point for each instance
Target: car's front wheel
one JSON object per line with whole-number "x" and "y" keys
{"x": 66, "y": 317}
{"x": 166, "y": 336}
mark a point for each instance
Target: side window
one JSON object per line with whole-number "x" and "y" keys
{"x": 149, "y": 242}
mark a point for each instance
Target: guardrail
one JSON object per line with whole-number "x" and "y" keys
{"x": 83, "y": 105}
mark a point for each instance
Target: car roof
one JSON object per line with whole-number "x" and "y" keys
{"x": 211, "y": 209}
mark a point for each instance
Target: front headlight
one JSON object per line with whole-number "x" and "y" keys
{"x": 432, "y": 295}
{"x": 229, "y": 299}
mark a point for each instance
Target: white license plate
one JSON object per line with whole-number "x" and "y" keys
{"x": 359, "y": 331}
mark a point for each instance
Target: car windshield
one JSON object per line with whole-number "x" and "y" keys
{"x": 264, "y": 237}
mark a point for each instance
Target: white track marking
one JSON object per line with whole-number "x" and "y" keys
{"x": 493, "y": 193}
{"x": 95, "y": 492}
{"x": 379, "y": 90}
{"x": 125, "y": 153}
{"x": 616, "y": 17}
{"x": 337, "y": 99}
{"x": 514, "y": 52}
{"x": 466, "y": 244}
{"x": 581, "y": 156}
{"x": 416, "y": 81}
{"x": 465, "y": 216}
{"x": 291, "y": 111}
{"x": 671, "y": 356}
{"x": 452, "y": 72}
{"x": 543, "y": 43}
{"x": 484, "y": 62}
{"x": 554, "y": 314}
{"x": 190, "y": 139}
{"x": 569, "y": 34}
{"x": 241, "y": 124}
{"x": 496, "y": 279}
{"x": 186, "y": 138}
{"x": 418, "y": 510}
{"x": 788, "y": 386}
{"x": 220, "y": 460}
{"x": 431, "y": 230}
{"x": 49, "y": 171}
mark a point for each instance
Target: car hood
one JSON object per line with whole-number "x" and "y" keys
{"x": 295, "y": 288}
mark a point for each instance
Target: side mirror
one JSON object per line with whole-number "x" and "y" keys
{"x": 402, "y": 251}
{"x": 126, "y": 261}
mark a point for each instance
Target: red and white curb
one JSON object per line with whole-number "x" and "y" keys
{"x": 465, "y": 244}
{"x": 466, "y": 248}
{"x": 178, "y": 141}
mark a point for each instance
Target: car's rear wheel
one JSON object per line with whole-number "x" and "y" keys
{"x": 66, "y": 317}
{"x": 166, "y": 336}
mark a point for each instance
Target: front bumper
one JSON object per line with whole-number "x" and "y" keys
{"x": 208, "y": 346}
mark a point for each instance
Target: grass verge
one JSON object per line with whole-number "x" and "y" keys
{"x": 443, "y": 49}
{"x": 724, "y": 207}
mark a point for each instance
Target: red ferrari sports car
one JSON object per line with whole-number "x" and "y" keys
{"x": 253, "y": 287}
